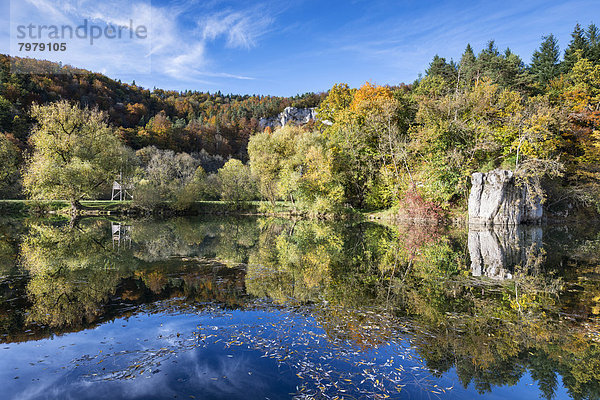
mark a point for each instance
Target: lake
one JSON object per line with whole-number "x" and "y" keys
{"x": 259, "y": 308}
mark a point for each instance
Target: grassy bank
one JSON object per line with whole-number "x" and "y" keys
{"x": 28, "y": 207}
{"x": 108, "y": 207}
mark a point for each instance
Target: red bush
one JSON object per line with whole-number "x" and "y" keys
{"x": 415, "y": 208}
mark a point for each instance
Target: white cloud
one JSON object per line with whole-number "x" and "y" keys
{"x": 178, "y": 35}
{"x": 242, "y": 29}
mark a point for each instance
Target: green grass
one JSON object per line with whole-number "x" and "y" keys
{"x": 388, "y": 213}
{"x": 27, "y": 207}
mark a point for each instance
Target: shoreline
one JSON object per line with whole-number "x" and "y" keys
{"x": 94, "y": 208}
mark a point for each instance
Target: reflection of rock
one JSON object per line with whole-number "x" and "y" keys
{"x": 495, "y": 199}
{"x": 495, "y": 252}
{"x": 296, "y": 116}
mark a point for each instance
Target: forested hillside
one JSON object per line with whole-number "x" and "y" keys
{"x": 180, "y": 121}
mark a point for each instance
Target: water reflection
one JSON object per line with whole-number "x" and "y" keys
{"x": 496, "y": 251}
{"x": 360, "y": 286}
{"x": 121, "y": 235}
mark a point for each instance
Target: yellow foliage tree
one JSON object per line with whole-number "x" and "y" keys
{"x": 370, "y": 96}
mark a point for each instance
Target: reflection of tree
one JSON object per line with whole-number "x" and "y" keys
{"x": 363, "y": 277}
{"x": 160, "y": 240}
{"x": 73, "y": 272}
{"x": 293, "y": 261}
{"x": 493, "y": 333}
{"x": 228, "y": 240}
{"x": 9, "y": 245}
{"x": 69, "y": 297}
{"x": 77, "y": 277}
{"x": 490, "y": 332}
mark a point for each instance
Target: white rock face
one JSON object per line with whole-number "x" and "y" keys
{"x": 293, "y": 115}
{"x": 496, "y": 251}
{"x": 495, "y": 199}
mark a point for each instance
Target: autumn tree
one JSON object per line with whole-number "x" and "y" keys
{"x": 237, "y": 184}
{"x": 363, "y": 145}
{"x": 291, "y": 164}
{"x": 270, "y": 154}
{"x": 167, "y": 176}
{"x": 74, "y": 154}
{"x": 581, "y": 97}
{"x": 338, "y": 99}
{"x": 320, "y": 185}
{"x": 6, "y": 114}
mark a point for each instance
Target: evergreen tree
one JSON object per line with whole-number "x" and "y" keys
{"x": 578, "y": 42}
{"x": 439, "y": 67}
{"x": 507, "y": 70}
{"x": 513, "y": 74}
{"x": 488, "y": 61}
{"x": 545, "y": 61}
{"x": 593, "y": 37}
{"x": 468, "y": 67}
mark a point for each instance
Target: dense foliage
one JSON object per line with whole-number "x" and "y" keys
{"x": 75, "y": 154}
{"x": 373, "y": 147}
{"x": 378, "y": 146}
{"x": 180, "y": 121}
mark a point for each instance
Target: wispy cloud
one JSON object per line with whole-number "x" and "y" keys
{"x": 226, "y": 75}
{"x": 179, "y": 36}
{"x": 242, "y": 29}
{"x": 282, "y": 47}
{"x": 405, "y": 46}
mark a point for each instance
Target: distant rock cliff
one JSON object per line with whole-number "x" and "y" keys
{"x": 293, "y": 115}
{"x": 496, "y": 199}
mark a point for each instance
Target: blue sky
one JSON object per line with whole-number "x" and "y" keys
{"x": 289, "y": 47}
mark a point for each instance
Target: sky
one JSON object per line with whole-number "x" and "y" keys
{"x": 285, "y": 48}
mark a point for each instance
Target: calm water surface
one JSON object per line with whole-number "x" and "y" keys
{"x": 256, "y": 308}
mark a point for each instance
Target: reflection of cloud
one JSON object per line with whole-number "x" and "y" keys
{"x": 212, "y": 375}
{"x": 206, "y": 371}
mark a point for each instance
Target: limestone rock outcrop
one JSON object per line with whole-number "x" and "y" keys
{"x": 496, "y": 199}
{"x": 293, "y": 115}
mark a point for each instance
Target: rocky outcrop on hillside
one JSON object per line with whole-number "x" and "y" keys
{"x": 496, "y": 199}
{"x": 293, "y": 115}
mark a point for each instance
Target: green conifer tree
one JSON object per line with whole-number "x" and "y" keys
{"x": 593, "y": 37}
{"x": 578, "y": 42}
{"x": 439, "y": 67}
{"x": 468, "y": 67}
{"x": 545, "y": 61}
